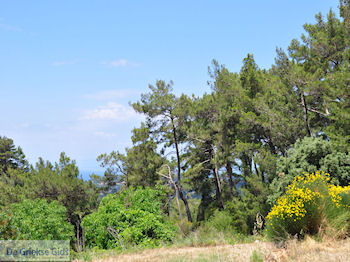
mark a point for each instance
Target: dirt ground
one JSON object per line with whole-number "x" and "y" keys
{"x": 308, "y": 250}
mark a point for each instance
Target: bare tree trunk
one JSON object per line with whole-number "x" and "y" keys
{"x": 181, "y": 194}
{"x": 183, "y": 198}
{"x": 218, "y": 189}
{"x": 171, "y": 181}
{"x": 305, "y": 109}
{"x": 258, "y": 173}
{"x": 217, "y": 177}
{"x": 80, "y": 243}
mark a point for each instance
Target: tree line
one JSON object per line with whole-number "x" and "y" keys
{"x": 235, "y": 148}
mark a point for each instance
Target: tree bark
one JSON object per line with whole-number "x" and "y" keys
{"x": 181, "y": 194}
{"x": 246, "y": 164}
{"x": 183, "y": 198}
{"x": 218, "y": 189}
{"x": 258, "y": 173}
{"x": 305, "y": 109}
{"x": 205, "y": 201}
{"x": 230, "y": 175}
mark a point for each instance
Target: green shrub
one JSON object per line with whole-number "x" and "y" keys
{"x": 221, "y": 221}
{"x": 131, "y": 217}
{"x": 309, "y": 155}
{"x": 311, "y": 205}
{"x": 7, "y": 231}
{"x": 35, "y": 220}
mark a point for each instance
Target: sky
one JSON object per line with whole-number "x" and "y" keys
{"x": 68, "y": 69}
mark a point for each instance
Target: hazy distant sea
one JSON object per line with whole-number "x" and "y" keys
{"x": 85, "y": 174}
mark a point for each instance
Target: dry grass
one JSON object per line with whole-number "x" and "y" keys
{"x": 308, "y": 250}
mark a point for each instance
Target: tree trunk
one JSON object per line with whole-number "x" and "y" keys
{"x": 183, "y": 198}
{"x": 246, "y": 164}
{"x": 205, "y": 201}
{"x": 181, "y": 194}
{"x": 306, "y": 118}
{"x": 177, "y": 150}
{"x": 258, "y": 173}
{"x": 218, "y": 189}
{"x": 230, "y": 175}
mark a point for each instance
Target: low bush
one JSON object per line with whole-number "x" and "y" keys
{"x": 184, "y": 227}
{"x": 129, "y": 218}
{"x": 311, "y": 205}
{"x": 221, "y": 221}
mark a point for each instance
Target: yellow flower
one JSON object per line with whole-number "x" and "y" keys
{"x": 335, "y": 193}
{"x": 298, "y": 194}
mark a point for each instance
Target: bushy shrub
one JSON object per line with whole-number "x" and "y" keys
{"x": 309, "y": 204}
{"x": 35, "y": 220}
{"x": 221, "y": 221}
{"x": 309, "y": 155}
{"x": 131, "y": 217}
{"x": 6, "y": 229}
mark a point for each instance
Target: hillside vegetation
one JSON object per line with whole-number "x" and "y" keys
{"x": 264, "y": 156}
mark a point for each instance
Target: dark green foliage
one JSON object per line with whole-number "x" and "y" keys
{"x": 131, "y": 217}
{"x": 11, "y": 156}
{"x": 138, "y": 167}
{"x": 60, "y": 182}
{"x": 35, "y": 220}
{"x": 252, "y": 201}
{"x": 167, "y": 118}
{"x": 51, "y": 182}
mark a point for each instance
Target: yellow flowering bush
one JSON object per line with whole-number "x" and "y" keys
{"x": 305, "y": 205}
{"x": 339, "y": 194}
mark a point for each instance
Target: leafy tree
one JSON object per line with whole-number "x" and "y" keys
{"x": 319, "y": 70}
{"x": 11, "y": 156}
{"x": 36, "y": 220}
{"x": 61, "y": 182}
{"x": 131, "y": 217}
{"x": 250, "y": 203}
{"x": 165, "y": 118}
{"x": 138, "y": 167}
{"x": 11, "y": 187}
{"x": 202, "y": 158}
{"x": 52, "y": 182}
{"x": 310, "y": 155}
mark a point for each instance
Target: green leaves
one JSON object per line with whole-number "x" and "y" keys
{"x": 138, "y": 167}
{"x": 132, "y": 217}
{"x": 35, "y": 220}
{"x": 309, "y": 155}
{"x": 11, "y": 156}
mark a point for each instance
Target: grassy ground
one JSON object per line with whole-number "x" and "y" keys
{"x": 307, "y": 250}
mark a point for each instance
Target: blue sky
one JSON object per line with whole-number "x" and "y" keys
{"x": 69, "y": 68}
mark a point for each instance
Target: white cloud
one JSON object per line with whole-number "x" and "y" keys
{"x": 113, "y": 94}
{"x": 65, "y": 62}
{"x": 120, "y": 63}
{"x": 111, "y": 111}
{"x": 8, "y": 27}
{"x": 104, "y": 134}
